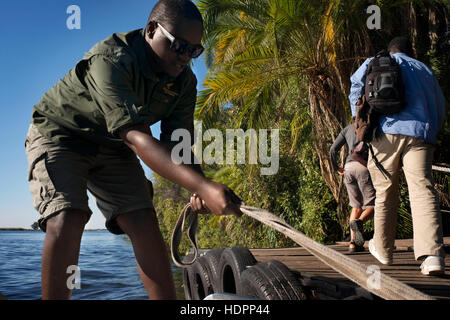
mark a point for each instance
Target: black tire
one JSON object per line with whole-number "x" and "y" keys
{"x": 233, "y": 261}
{"x": 201, "y": 284}
{"x": 212, "y": 262}
{"x": 187, "y": 278}
{"x": 271, "y": 280}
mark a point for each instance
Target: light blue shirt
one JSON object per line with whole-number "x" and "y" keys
{"x": 424, "y": 113}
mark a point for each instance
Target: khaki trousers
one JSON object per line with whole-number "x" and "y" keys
{"x": 415, "y": 157}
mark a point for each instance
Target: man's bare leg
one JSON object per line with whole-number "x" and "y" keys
{"x": 367, "y": 214}
{"x": 61, "y": 250}
{"x": 151, "y": 253}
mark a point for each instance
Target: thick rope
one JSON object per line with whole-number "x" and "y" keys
{"x": 441, "y": 168}
{"x": 379, "y": 284}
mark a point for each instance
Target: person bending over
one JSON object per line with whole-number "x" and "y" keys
{"x": 88, "y": 131}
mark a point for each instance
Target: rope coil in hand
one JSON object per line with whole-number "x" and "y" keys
{"x": 192, "y": 218}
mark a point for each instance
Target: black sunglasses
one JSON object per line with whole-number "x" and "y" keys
{"x": 181, "y": 46}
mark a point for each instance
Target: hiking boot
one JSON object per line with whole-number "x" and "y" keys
{"x": 433, "y": 266}
{"x": 354, "y": 247}
{"x": 374, "y": 252}
{"x": 357, "y": 228}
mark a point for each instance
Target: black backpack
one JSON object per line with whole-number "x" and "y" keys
{"x": 384, "y": 89}
{"x": 384, "y": 94}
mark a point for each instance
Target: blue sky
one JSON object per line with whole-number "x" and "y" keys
{"x": 37, "y": 50}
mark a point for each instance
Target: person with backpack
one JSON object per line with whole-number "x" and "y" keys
{"x": 357, "y": 181}
{"x": 407, "y": 115}
{"x": 88, "y": 131}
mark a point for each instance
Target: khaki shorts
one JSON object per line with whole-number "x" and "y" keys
{"x": 359, "y": 185}
{"x": 59, "y": 179}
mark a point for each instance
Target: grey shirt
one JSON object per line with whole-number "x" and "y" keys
{"x": 347, "y": 135}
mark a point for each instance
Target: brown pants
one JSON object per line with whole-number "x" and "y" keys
{"x": 359, "y": 185}
{"x": 415, "y": 156}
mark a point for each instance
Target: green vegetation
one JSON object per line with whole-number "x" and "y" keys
{"x": 286, "y": 64}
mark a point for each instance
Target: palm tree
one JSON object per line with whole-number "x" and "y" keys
{"x": 257, "y": 50}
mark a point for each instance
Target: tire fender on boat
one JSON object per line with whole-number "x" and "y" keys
{"x": 233, "y": 261}
{"x": 271, "y": 280}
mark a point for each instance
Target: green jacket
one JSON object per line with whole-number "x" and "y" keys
{"x": 113, "y": 87}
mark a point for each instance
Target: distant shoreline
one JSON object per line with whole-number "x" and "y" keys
{"x": 22, "y": 229}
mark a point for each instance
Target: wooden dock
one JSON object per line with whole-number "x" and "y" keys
{"x": 405, "y": 268}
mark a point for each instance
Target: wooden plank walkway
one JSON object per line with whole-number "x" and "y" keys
{"x": 405, "y": 268}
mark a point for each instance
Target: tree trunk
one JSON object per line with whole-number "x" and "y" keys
{"x": 326, "y": 107}
{"x": 413, "y": 27}
{"x": 433, "y": 28}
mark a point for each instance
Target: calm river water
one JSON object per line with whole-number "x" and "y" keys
{"x": 108, "y": 267}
